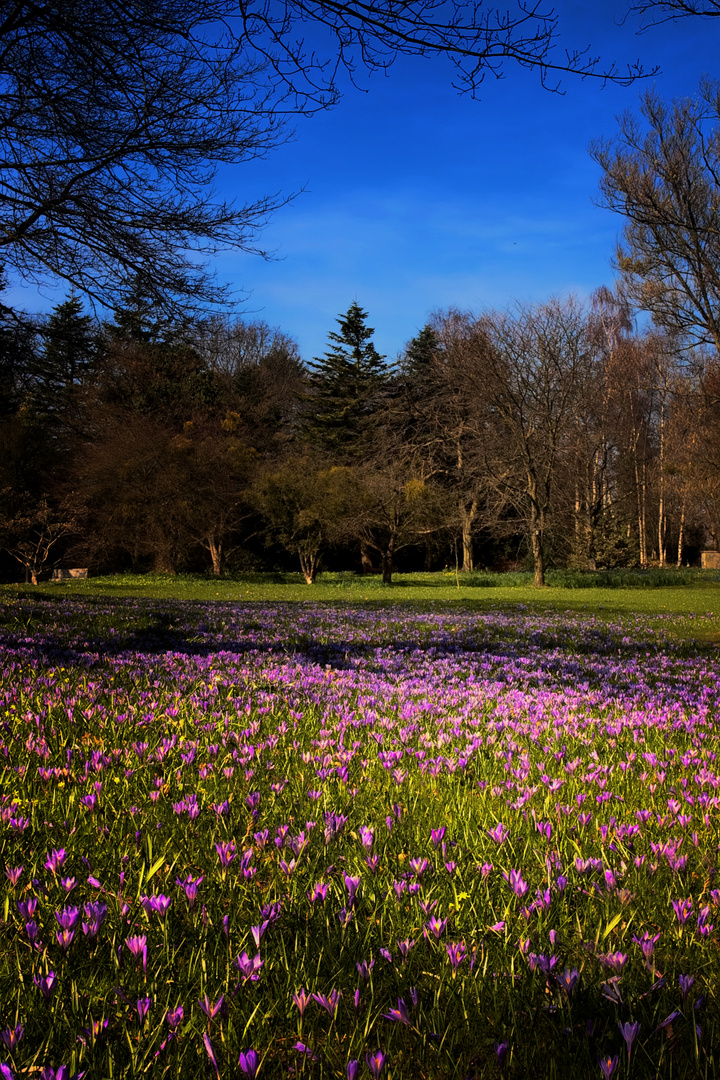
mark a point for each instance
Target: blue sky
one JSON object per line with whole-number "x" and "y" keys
{"x": 416, "y": 198}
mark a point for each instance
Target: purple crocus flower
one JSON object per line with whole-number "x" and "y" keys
{"x": 629, "y": 1033}
{"x": 608, "y": 1065}
{"x": 138, "y": 947}
{"x": 614, "y": 961}
{"x": 375, "y": 1063}
{"x": 226, "y": 853}
{"x": 436, "y": 927}
{"x": 12, "y": 873}
{"x": 501, "y": 1050}
{"x": 405, "y": 947}
{"x": 95, "y": 913}
{"x": 64, "y": 939}
{"x": 249, "y": 1063}
{"x": 686, "y": 982}
{"x": 683, "y": 910}
{"x": 55, "y": 860}
{"x": 352, "y": 1069}
{"x": 160, "y": 905}
{"x": 143, "y": 1006}
{"x": 399, "y": 1015}
{"x": 418, "y": 867}
{"x": 61, "y": 1073}
{"x": 364, "y": 969}
{"x": 301, "y": 999}
{"x": 568, "y": 980}
{"x": 330, "y": 1001}
{"x": 647, "y": 943}
{"x": 67, "y": 918}
{"x": 248, "y": 967}
{"x": 367, "y": 837}
{"x": 175, "y": 1018}
{"x": 437, "y": 835}
{"x": 190, "y": 885}
{"x": 668, "y": 1020}
{"x": 12, "y": 1036}
{"x": 456, "y": 954}
{"x": 96, "y": 1030}
{"x": 45, "y": 984}
{"x": 516, "y": 883}
{"x": 352, "y": 884}
{"x": 211, "y": 1009}
{"x": 32, "y": 931}
{"x": 6, "y": 1072}
{"x": 318, "y": 892}
{"x": 27, "y": 908}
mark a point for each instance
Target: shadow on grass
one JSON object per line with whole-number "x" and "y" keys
{"x": 98, "y": 628}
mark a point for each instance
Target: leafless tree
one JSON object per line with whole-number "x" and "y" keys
{"x": 36, "y": 528}
{"x": 523, "y": 370}
{"x": 663, "y": 176}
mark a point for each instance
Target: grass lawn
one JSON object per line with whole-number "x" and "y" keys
{"x": 686, "y": 610}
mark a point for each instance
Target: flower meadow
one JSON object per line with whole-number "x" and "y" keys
{"x": 315, "y": 841}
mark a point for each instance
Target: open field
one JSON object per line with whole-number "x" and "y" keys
{"x": 385, "y": 840}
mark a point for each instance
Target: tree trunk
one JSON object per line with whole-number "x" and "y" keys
{"x": 365, "y": 560}
{"x": 536, "y": 537}
{"x": 681, "y": 534}
{"x": 308, "y": 565}
{"x": 640, "y": 492}
{"x": 387, "y": 563}
{"x": 661, "y": 486}
{"x": 467, "y": 517}
{"x": 216, "y": 554}
{"x": 538, "y": 558}
{"x": 163, "y": 563}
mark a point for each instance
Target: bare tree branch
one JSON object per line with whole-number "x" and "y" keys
{"x": 662, "y": 11}
{"x": 115, "y": 116}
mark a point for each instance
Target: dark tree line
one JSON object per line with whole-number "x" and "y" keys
{"x": 547, "y": 435}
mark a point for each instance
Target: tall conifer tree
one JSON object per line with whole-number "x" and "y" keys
{"x": 348, "y": 384}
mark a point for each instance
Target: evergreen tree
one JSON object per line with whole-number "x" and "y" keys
{"x": 137, "y": 320}
{"x": 70, "y": 353}
{"x": 347, "y": 388}
{"x": 420, "y": 352}
{"x": 151, "y": 365}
